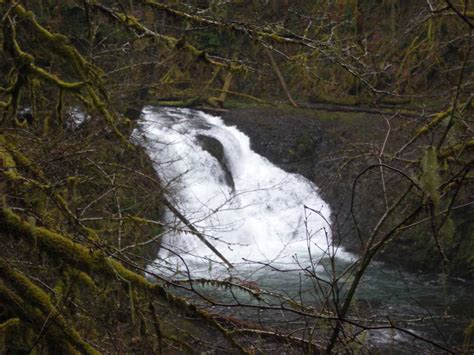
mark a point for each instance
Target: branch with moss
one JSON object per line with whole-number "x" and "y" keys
{"x": 134, "y": 25}
{"x": 59, "y": 45}
{"x": 32, "y": 304}
{"x": 435, "y": 121}
{"x": 246, "y": 29}
{"x": 90, "y": 262}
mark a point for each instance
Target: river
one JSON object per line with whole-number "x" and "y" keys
{"x": 275, "y": 229}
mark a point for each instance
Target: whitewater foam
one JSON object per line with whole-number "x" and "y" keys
{"x": 262, "y": 222}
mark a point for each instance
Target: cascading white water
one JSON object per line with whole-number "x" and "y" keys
{"x": 262, "y": 220}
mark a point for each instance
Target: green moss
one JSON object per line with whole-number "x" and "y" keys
{"x": 11, "y": 323}
{"x": 345, "y": 100}
{"x": 7, "y": 164}
{"x": 234, "y": 102}
{"x": 89, "y": 261}
{"x": 37, "y": 304}
{"x": 180, "y": 103}
{"x": 13, "y": 336}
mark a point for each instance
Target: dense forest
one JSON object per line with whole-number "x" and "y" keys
{"x": 389, "y": 84}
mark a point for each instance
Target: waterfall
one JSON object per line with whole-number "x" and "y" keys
{"x": 250, "y": 210}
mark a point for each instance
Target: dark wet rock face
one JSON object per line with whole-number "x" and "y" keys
{"x": 292, "y": 143}
{"x": 302, "y": 142}
{"x": 321, "y": 146}
{"x": 215, "y": 148}
{"x": 311, "y": 143}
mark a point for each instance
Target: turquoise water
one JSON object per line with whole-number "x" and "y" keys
{"x": 425, "y": 306}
